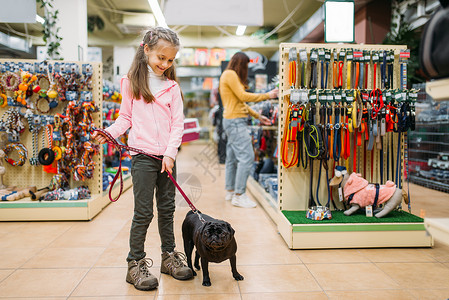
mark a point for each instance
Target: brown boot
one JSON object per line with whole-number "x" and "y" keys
{"x": 174, "y": 264}
{"x": 139, "y": 274}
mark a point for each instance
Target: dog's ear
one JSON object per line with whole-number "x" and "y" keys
{"x": 231, "y": 230}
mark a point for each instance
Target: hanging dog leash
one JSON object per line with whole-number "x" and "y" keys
{"x": 118, "y": 175}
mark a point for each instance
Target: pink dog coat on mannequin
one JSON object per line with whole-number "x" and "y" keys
{"x": 364, "y": 193}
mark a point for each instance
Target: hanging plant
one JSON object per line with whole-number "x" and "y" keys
{"x": 51, "y": 35}
{"x": 401, "y": 33}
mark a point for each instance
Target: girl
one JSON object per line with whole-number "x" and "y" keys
{"x": 239, "y": 148}
{"x": 152, "y": 107}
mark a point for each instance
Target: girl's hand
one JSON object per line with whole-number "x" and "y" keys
{"x": 167, "y": 164}
{"x": 264, "y": 120}
{"x": 99, "y": 137}
{"x": 273, "y": 93}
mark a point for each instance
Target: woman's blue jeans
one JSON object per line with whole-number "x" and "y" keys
{"x": 239, "y": 154}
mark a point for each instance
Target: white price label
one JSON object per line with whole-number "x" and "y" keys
{"x": 369, "y": 211}
{"x": 340, "y": 194}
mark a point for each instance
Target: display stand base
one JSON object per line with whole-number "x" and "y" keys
{"x": 328, "y": 234}
{"x": 405, "y": 231}
{"x": 438, "y": 228}
{"x": 58, "y": 210}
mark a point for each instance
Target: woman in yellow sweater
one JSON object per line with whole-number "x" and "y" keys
{"x": 239, "y": 148}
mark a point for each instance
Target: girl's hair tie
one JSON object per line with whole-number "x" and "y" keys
{"x": 141, "y": 44}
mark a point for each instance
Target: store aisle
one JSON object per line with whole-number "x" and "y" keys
{"x": 86, "y": 260}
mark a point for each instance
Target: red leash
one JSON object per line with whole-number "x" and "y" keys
{"x": 114, "y": 143}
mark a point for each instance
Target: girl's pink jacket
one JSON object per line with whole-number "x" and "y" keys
{"x": 156, "y": 127}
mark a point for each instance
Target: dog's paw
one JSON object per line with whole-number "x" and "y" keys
{"x": 207, "y": 283}
{"x": 194, "y": 273}
{"x": 197, "y": 266}
{"x": 238, "y": 277}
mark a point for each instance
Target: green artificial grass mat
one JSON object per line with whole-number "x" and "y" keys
{"x": 299, "y": 217}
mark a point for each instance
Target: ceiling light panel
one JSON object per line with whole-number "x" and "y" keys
{"x": 214, "y": 12}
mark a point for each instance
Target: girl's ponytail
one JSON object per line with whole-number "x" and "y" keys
{"x": 138, "y": 72}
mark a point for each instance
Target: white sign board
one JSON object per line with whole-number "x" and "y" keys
{"x": 214, "y": 12}
{"x": 18, "y": 11}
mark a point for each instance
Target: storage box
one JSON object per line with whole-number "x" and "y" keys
{"x": 191, "y": 130}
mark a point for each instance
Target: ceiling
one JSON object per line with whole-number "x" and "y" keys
{"x": 114, "y": 14}
{"x": 284, "y": 16}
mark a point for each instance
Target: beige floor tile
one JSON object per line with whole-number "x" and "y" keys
{"x": 38, "y": 236}
{"x": 220, "y": 277}
{"x": 430, "y": 294}
{"x": 5, "y": 273}
{"x": 41, "y": 282}
{"x": 122, "y": 237}
{"x": 12, "y": 258}
{"x": 86, "y": 235}
{"x": 330, "y": 256}
{"x": 286, "y": 296}
{"x": 351, "y": 276}
{"x": 276, "y": 254}
{"x": 370, "y": 295}
{"x": 397, "y": 255}
{"x": 34, "y": 298}
{"x": 417, "y": 275}
{"x": 277, "y": 279}
{"x": 64, "y": 258}
{"x": 256, "y": 237}
{"x": 113, "y": 257}
{"x": 116, "y": 257}
{"x": 149, "y": 296}
{"x": 104, "y": 282}
{"x": 10, "y": 227}
{"x": 200, "y": 297}
{"x": 440, "y": 252}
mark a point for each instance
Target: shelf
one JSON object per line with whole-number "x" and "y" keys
{"x": 265, "y": 200}
{"x": 328, "y": 234}
{"x": 274, "y": 127}
{"x": 438, "y": 228}
{"x": 438, "y": 89}
{"x": 59, "y": 210}
{"x": 198, "y": 71}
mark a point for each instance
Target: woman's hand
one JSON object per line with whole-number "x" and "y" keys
{"x": 264, "y": 120}
{"x": 273, "y": 93}
{"x": 99, "y": 137}
{"x": 167, "y": 164}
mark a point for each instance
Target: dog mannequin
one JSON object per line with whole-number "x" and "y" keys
{"x": 363, "y": 194}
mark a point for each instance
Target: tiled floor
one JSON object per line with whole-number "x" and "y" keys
{"x": 86, "y": 260}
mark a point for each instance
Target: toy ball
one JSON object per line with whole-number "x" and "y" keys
{"x": 52, "y": 94}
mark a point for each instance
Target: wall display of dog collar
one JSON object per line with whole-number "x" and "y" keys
{"x": 52, "y": 102}
{"x": 344, "y": 108}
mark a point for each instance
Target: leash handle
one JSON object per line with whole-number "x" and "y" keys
{"x": 114, "y": 143}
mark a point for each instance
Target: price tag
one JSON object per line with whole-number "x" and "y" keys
{"x": 303, "y": 55}
{"x": 369, "y": 211}
{"x": 340, "y": 194}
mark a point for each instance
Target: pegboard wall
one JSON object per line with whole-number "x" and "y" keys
{"x": 294, "y": 189}
{"x": 33, "y": 175}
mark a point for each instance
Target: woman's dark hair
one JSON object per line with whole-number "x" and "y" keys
{"x": 239, "y": 63}
{"x": 138, "y": 72}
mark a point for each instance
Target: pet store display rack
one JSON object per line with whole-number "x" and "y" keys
{"x": 293, "y": 183}
{"x": 438, "y": 227}
{"x": 27, "y": 175}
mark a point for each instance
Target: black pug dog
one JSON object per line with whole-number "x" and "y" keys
{"x": 214, "y": 242}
